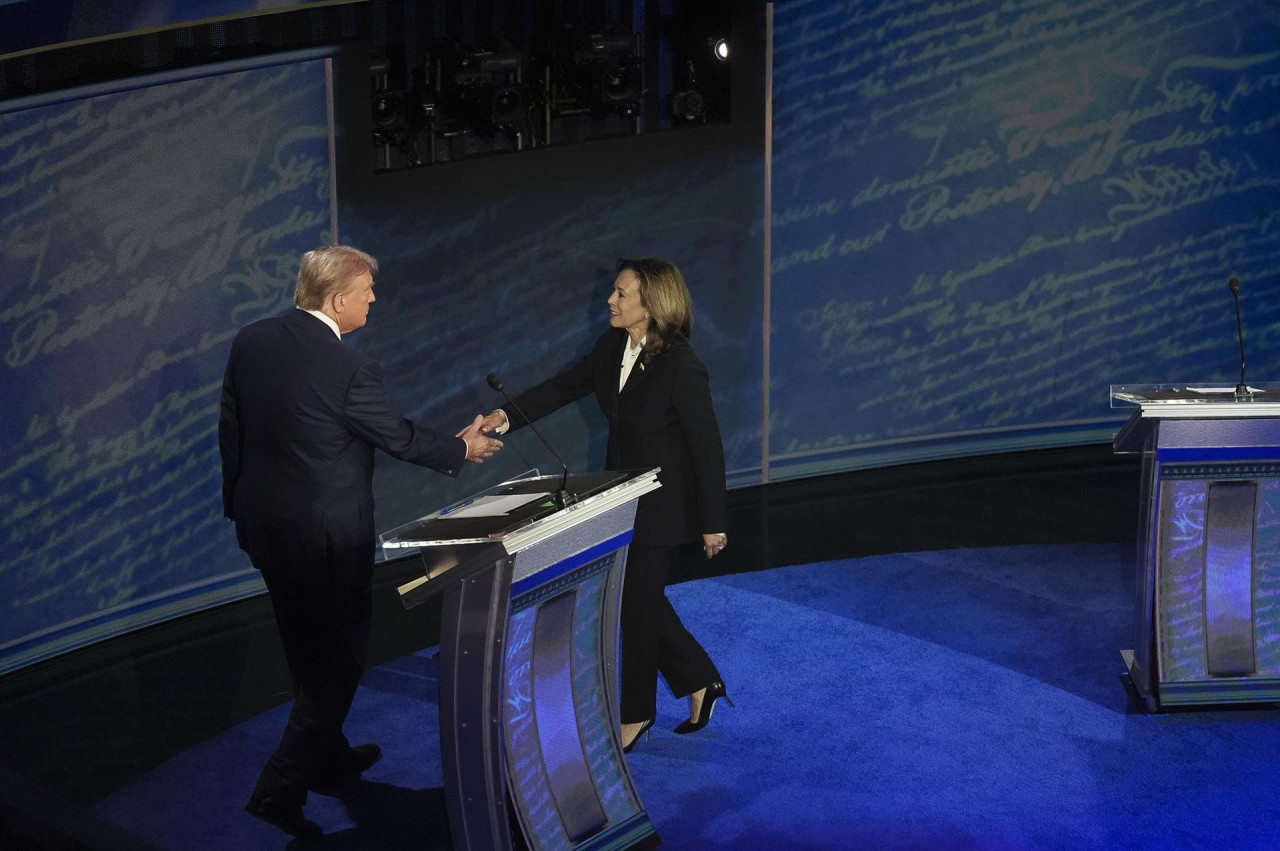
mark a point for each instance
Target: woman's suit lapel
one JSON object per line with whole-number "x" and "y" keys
{"x": 637, "y": 376}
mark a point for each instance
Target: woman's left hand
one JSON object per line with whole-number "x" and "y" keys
{"x": 713, "y": 544}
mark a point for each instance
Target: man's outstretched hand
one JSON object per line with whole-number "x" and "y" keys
{"x": 479, "y": 445}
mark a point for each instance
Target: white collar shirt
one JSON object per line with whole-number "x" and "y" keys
{"x": 630, "y": 354}
{"x": 325, "y": 318}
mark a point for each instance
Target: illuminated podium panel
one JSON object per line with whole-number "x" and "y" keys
{"x": 528, "y": 671}
{"x": 1208, "y": 574}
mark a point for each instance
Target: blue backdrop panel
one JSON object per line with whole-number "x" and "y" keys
{"x": 984, "y": 212}
{"x": 139, "y": 229}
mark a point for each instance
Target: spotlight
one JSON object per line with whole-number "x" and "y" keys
{"x": 620, "y": 86}
{"x": 688, "y": 105}
{"x": 388, "y": 109}
{"x": 394, "y": 114}
{"x": 486, "y": 90}
{"x": 484, "y": 106}
{"x": 596, "y": 73}
{"x": 481, "y": 65}
{"x": 721, "y": 49}
{"x": 508, "y": 105}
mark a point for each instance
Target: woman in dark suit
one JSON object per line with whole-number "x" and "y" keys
{"x": 654, "y": 392}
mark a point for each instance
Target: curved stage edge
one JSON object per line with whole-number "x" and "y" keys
{"x": 100, "y": 718}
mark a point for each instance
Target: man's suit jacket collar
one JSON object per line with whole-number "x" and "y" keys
{"x": 314, "y": 326}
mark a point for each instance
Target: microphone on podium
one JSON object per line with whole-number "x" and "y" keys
{"x": 1242, "y": 389}
{"x": 562, "y": 496}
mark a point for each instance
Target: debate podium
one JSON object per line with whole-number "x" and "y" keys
{"x": 528, "y": 646}
{"x": 1207, "y": 591}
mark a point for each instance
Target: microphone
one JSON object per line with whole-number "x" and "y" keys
{"x": 1242, "y": 389}
{"x": 562, "y": 496}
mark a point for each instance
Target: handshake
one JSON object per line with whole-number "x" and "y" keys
{"x": 479, "y": 445}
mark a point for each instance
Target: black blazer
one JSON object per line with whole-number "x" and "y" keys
{"x": 662, "y": 418}
{"x": 301, "y": 415}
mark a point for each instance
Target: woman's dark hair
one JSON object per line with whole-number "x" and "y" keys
{"x": 665, "y": 296}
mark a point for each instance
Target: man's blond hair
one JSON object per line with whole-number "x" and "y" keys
{"x": 326, "y": 271}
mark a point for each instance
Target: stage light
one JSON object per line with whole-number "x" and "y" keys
{"x": 484, "y": 106}
{"x": 388, "y": 109}
{"x": 479, "y": 66}
{"x": 596, "y": 73}
{"x": 688, "y": 105}
{"x": 619, "y": 86}
{"x": 508, "y": 104}
{"x": 487, "y": 91}
{"x": 696, "y": 38}
{"x": 608, "y": 71}
{"x": 393, "y": 137}
{"x": 388, "y": 104}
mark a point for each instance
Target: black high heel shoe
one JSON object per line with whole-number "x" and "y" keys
{"x": 714, "y": 692}
{"x": 627, "y": 747}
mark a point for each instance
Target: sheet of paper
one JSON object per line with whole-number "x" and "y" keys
{"x": 493, "y": 506}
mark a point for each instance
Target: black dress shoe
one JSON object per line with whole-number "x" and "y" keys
{"x": 712, "y": 693}
{"x": 360, "y": 758}
{"x": 350, "y": 765}
{"x": 287, "y": 817}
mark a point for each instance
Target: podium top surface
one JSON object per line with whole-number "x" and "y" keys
{"x": 1191, "y": 401}
{"x": 522, "y": 511}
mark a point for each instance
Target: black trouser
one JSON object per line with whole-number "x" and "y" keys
{"x": 653, "y": 638}
{"x": 321, "y": 593}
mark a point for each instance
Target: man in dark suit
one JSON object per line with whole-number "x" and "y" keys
{"x": 301, "y": 416}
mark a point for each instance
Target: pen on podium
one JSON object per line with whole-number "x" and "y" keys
{"x": 458, "y": 507}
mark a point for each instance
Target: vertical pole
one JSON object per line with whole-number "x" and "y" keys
{"x": 766, "y": 230}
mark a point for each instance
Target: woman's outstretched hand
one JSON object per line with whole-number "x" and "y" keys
{"x": 713, "y": 544}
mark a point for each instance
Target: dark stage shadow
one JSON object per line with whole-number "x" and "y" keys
{"x": 387, "y": 817}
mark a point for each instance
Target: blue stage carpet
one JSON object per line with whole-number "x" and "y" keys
{"x": 966, "y": 699}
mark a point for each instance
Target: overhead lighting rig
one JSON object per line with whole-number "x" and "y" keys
{"x": 475, "y": 100}
{"x": 574, "y": 82}
{"x": 486, "y": 90}
{"x": 596, "y": 74}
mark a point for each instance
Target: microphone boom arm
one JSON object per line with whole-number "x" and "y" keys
{"x": 1242, "y": 389}
{"x": 562, "y": 496}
